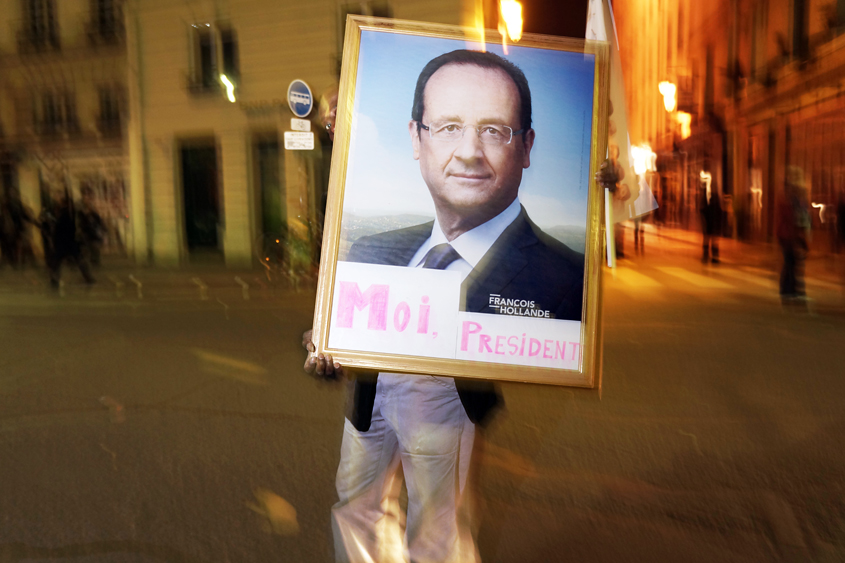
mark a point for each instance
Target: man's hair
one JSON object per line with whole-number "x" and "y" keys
{"x": 484, "y": 60}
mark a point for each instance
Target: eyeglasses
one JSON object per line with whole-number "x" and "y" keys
{"x": 452, "y": 132}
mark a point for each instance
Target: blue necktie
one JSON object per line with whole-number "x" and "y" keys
{"x": 440, "y": 256}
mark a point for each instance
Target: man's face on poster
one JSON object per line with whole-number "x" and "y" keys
{"x": 467, "y": 176}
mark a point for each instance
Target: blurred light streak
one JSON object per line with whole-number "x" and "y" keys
{"x": 230, "y": 88}
{"x": 513, "y": 463}
{"x": 636, "y": 279}
{"x": 512, "y": 16}
{"x": 280, "y": 514}
{"x": 227, "y": 361}
{"x": 820, "y": 207}
{"x": 112, "y": 454}
{"x": 706, "y": 178}
{"x": 232, "y": 368}
{"x": 695, "y": 279}
{"x": 668, "y": 90}
{"x": 685, "y": 120}
{"x": 758, "y": 196}
{"x": 504, "y": 35}
{"x": 479, "y": 24}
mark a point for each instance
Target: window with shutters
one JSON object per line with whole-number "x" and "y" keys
{"x": 39, "y": 30}
{"x": 54, "y": 113}
{"x": 106, "y": 23}
{"x": 214, "y": 53}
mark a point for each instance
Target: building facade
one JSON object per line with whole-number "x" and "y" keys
{"x": 63, "y": 107}
{"x": 207, "y": 81}
{"x": 762, "y": 84}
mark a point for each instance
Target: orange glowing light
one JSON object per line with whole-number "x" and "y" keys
{"x": 512, "y": 16}
{"x": 504, "y": 38}
{"x": 479, "y": 23}
{"x": 644, "y": 159}
{"x": 668, "y": 90}
{"x": 685, "y": 120}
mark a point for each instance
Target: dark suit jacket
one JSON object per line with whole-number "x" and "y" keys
{"x": 523, "y": 263}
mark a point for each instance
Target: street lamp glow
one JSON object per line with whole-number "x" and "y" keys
{"x": 685, "y": 120}
{"x": 512, "y": 14}
{"x": 230, "y": 88}
{"x": 668, "y": 90}
{"x": 644, "y": 159}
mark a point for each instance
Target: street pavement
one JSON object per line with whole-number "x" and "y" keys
{"x": 176, "y": 425}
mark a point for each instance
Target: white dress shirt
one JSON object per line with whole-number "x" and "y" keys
{"x": 471, "y": 245}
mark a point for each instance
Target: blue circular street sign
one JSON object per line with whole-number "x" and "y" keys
{"x": 300, "y": 99}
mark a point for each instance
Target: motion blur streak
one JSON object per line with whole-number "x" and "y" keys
{"x": 231, "y": 367}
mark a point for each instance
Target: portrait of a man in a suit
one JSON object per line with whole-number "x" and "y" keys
{"x": 471, "y": 133}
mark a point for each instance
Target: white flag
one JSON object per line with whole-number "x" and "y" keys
{"x": 601, "y": 27}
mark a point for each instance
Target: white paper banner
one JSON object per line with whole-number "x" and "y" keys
{"x": 395, "y": 310}
{"x": 524, "y": 341}
{"x": 414, "y": 312}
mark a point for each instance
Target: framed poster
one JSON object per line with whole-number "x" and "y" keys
{"x": 463, "y": 229}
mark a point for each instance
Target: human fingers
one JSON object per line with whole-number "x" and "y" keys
{"x": 321, "y": 366}
{"x": 606, "y": 174}
{"x": 307, "y": 343}
{"x": 331, "y": 370}
{"x": 310, "y": 364}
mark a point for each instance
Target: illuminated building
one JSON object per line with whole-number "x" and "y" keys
{"x": 175, "y": 112}
{"x": 62, "y": 106}
{"x": 208, "y": 92}
{"x": 761, "y": 81}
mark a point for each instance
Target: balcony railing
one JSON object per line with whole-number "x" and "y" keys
{"x": 57, "y": 129}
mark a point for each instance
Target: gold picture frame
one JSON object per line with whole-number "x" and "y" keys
{"x": 587, "y": 372}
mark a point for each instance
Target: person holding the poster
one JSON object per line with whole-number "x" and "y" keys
{"x": 471, "y": 133}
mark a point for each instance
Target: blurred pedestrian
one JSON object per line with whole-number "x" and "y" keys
{"x": 793, "y": 228}
{"x": 15, "y": 221}
{"x": 90, "y": 228}
{"x": 8, "y": 242}
{"x": 59, "y": 226}
{"x": 46, "y": 224}
{"x": 639, "y": 236}
{"x": 840, "y": 232}
{"x": 621, "y": 194}
{"x": 840, "y": 221}
{"x": 711, "y": 224}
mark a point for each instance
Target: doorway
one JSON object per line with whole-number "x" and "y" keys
{"x": 200, "y": 183}
{"x": 271, "y": 186}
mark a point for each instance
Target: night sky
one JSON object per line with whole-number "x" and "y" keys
{"x": 567, "y": 18}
